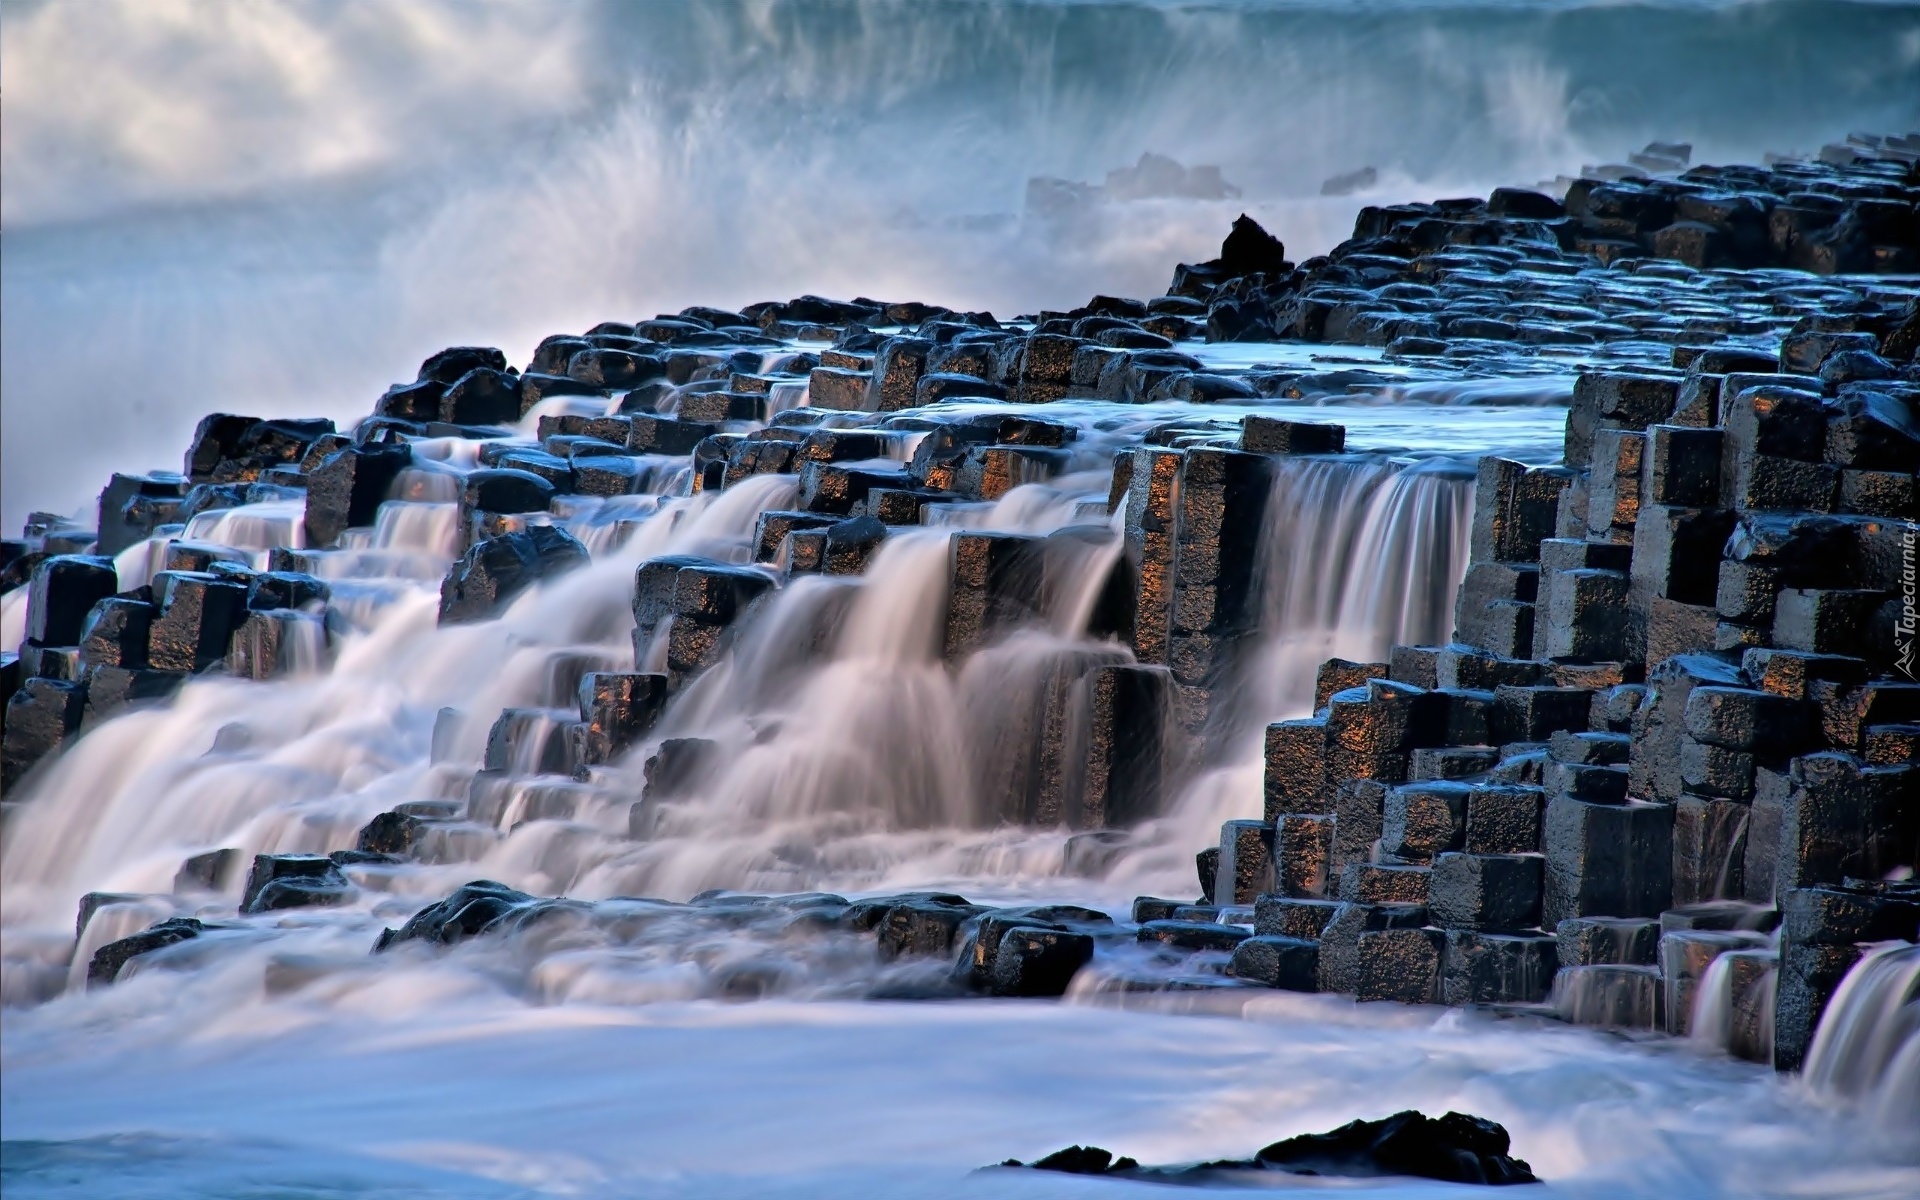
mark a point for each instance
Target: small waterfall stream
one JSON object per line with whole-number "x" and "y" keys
{"x": 324, "y": 754}
{"x": 1866, "y": 1052}
{"x": 1356, "y": 555}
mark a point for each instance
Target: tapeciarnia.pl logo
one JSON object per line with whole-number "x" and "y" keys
{"x": 1903, "y": 629}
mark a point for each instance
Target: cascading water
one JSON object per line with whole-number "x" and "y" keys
{"x": 852, "y": 755}
{"x": 1866, "y": 1053}
{"x": 1355, "y": 556}
{"x": 849, "y": 755}
{"x": 326, "y": 754}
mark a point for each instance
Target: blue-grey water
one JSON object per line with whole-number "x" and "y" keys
{"x": 273, "y": 208}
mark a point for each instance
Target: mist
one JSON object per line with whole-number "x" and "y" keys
{"x": 281, "y": 209}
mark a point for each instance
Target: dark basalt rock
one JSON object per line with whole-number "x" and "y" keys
{"x": 391, "y": 834}
{"x": 469, "y": 912}
{"x": 922, "y": 928}
{"x": 64, "y": 590}
{"x": 868, "y": 915}
{"x": 132, "y": 505}
{"x": 115, "y": 633}
{"x": 450, "y": 364}
{"x": 1250, "y": 248}
{"x": 505, "y": 491}
{"x": 40, "y": 716}
{"x": 851, "y": 543}
{"x": 1517, "y": 202}
{"x": 199, "y": 612}
{"x": 493, "y": 572}
{"x": 482, "y": 396}
{"x": 417, "y": 401}
{"x": 1077, "y": 1160}
{"x": 109, "y": 959}
{"x": 346, "y": 489}
{"x": 285, "y": 589}
{"x": 1456, "y": 1148}
{"x": 205, "y": 872}
{"x": 92, "y": 903}
{"x": 608, "y": 368}
{"x": 110, "y": 689}
{"x": 235, "y": 449}
{"x": 210, "y": 498}
{"x": 214, "y": 440}
{"x": 616, "y": 711}
{"x": 1038, "y": 962}
{"x": 1194, "y": 935}
{"x": 279, "y": 881}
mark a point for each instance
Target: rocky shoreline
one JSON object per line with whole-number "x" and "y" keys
{"x": 1675, "y": 731}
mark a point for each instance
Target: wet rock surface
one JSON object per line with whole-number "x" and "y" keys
{"x": 108, "y": 961}
{"x": 1455, "y": 1148}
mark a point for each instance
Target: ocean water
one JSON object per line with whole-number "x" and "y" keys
{"x": 280, "y": 208}
{"x": 424, "y": 1087}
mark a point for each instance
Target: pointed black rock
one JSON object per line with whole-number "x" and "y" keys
{"x": 1250, "y": 248}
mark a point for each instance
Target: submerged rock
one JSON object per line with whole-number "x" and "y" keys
{"x": 279, "y": 881}
{"x": 109, "y": 959}
{"x": 470, "y": 911}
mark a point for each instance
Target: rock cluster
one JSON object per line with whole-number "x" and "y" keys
{"x": 1456, "y": 1148}
{"x": 1672, "y": 715}
{"x": 1032, "y": 951}
{"x": 1672, "y": 710}
{"x": 1386, "y": 284}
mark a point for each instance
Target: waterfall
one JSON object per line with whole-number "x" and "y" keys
{"x": 1357, "y": 554}
{"x": 845, "y": 748}
{"x": 848, "y": 749}
{"x": 324, "y": 753}
{"x": 253, "y": 528}
{"x": 1866, "y": 1051}
{"x": 1612, "y": 995}
{"x": 13, "y": 615}
{"x": 420, "y": 527}
{"x": 1712, "y": 1017}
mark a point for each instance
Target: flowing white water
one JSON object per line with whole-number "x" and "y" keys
{"x": 254, "y": 528}
{"x": 849, "y": 754}
{"x": 326, "y": 754}
{"x": 1866, "y": 1052}
{"x": 1357, "y": 555}
{"x": 1712, "y": 1017}
{"x": 435, "y": 1080}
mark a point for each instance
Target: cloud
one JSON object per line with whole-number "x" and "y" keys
{"x": 111, "y": 103}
